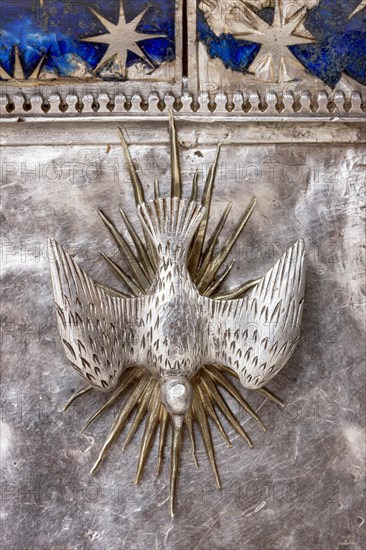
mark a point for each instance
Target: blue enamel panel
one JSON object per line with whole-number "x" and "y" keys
{"x": 339, "y": 46}
{"x": 55, "y": 29}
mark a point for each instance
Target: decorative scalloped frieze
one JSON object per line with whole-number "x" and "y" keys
{"x": 267, "y": 104}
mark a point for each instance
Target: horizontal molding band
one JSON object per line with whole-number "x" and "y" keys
{"x": 286, "y": 104}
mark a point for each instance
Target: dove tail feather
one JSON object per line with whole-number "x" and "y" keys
{"x": 172, "y": 223}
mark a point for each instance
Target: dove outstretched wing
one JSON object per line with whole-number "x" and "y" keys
{"x": 255, "y": 336}
{"x": 101, "y": 334}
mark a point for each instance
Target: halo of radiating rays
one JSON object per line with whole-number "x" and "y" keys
{"x": 139, "y": 390}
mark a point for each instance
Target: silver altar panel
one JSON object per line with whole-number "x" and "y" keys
{"x": 301, "y": 486}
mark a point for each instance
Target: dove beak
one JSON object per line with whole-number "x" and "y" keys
{"x": 176, "y": 394}
{"x": 177, "y": 420}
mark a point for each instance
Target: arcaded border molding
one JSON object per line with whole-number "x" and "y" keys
{"x": 291, "y": 104}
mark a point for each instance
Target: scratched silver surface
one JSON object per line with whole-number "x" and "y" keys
{"x": 302, "y": 486}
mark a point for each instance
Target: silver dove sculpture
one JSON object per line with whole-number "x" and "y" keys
{"x": 169, "y": 332}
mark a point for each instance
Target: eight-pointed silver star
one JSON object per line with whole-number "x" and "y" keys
{"x": 121, "y": 38}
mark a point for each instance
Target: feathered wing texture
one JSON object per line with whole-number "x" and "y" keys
{"x": 101, "y": 334}
{"x": 255, "y": 336}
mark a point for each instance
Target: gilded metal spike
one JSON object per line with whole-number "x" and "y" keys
{"x": 217, "y": 282}
{"x": 216, "y": 263}
{"x": 120, "y": 421}
{"x": 164, "y": 419}
{"x": 271, "y": 396}
{"x": 149, "y": 432}
{"x": 237, "y": 291}
{"x": 174, "y": 465}
{"x": 225, "y": 409}
{"x": 176, "y": 186}
{"x": 207, "y": 256}
{"x": 156, "y": 189}
{"x": 189, "y": 423}
{"x": 231, "y": 389}
{"x": 201, "y": 417}
{"x": 143, "y": 405}
{"x": 113, "y": 291}
{"x": 126, "y": 252}
{"x": 153, "y": 254}
{"x": 228, "y": 370}
{"x": 210, "y": 409}
{"x": 194, "y": 186}
{"x": 134, "y": 287}
{"x": 132, "y": 376}
{"x": 147, "y": 251}
{"x": 136, "y": 183}
{"x": 140, "y": 248}
{"x": 79, "y": 393}
{"x": 197, "y": 245}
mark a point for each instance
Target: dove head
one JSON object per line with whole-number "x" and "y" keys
{"x": 176, "y": 395}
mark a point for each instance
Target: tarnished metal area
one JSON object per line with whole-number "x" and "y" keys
{"x": 301, "y": 484}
